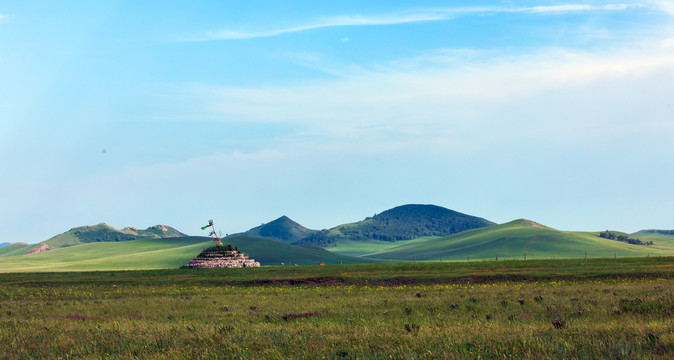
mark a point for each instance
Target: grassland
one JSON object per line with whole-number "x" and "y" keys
{"x": 158, "y": 254}
{"x": 599, "y": 308}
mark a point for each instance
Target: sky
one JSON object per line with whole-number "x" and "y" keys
{"x": 137, "y": 113}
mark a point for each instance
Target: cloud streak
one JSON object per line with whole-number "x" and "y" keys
{"x": 664, "y": 5}
{"x": 354, "y": 20}
{"x": 5, "y": 18}
{"x": 439, "y": 14}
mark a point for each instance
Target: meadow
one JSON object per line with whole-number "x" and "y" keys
{"x": 576, "y": 309}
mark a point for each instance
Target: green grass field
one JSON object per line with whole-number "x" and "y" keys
{"x": 539, "y": 309}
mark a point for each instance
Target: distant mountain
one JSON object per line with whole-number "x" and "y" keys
{"x": 412, "y": 221}
{"x": 400, "y": 223}
{"x": 4, "y": 244}
{"x": 282, "y": 229}
{"x": 105, "y": 233}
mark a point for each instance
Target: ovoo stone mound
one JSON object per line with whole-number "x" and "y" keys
{"x": 221, "y": 257}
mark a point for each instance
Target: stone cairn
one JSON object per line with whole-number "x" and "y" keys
{"x": 209, "y": 259}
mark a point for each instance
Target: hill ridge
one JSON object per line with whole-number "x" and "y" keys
{"x": 402, "y": 222}
{"x": 514, "y": 239}
{"x": 282, "y": 229}
{"x": 103, "y": 232}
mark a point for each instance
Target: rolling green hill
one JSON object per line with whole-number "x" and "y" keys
{"x": 160, "y": 254}
{"x": 404, "y": 222}
{"x": 654, "y": 232}
{"x": 365, "y": 247}
{"x": 659, "y": 239}
{"x": 270, "y": 252}
{"x": 512, "y": 240}
{"x": 105, "y": 233}
{"x": 14, "y": 249}
{"x": 127, "y": 255}
{"x": 282, "y": 229}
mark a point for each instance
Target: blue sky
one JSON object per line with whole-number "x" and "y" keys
{"x": 142, "y": 113}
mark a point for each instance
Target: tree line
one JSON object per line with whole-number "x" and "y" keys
{"x": 624, "y": 238}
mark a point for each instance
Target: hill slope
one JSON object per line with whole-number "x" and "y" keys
{"x": 404, "y": 222}
{"x": 105, "y": 233}
{"x": 282, "y": 229}
{"x": 654, "y": 232}
{"x": 161, "y": 254}
{"x": 513, "y": 240}
{"x": 15, "y": 249}
{"x": 270, "y": 252}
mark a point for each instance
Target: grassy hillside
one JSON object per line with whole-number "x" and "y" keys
{"x": 270, "y": 252}
{"x": 404, "y": 222}
{"x": 162, "y": 253}
{"x": 365, "y": 247}
{"x": 512, "y": 240}
{"x": 135, "y": 254}
{"x": 282, "y": 229}
{"x": 14, "y": 249}
{"x": 654, "y": 232}
{"x": 660, "y": 242}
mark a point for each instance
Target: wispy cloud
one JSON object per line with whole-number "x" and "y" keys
{"x": 438, "y": 14}
{"x": 354, "y": 20}
{"x": 664, "y": 5}
{"x": 557, "y": 8}
{"x": 557, "y": 95}
{"x": 5, "y": 18}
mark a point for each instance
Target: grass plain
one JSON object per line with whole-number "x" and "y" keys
{"x": 537, "y": 309}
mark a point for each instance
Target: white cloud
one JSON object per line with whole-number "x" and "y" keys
{"x": 557, "y": 95}
{"x": 419, "y": 16}
{"x": 353, "y": 20}
{"x": 664, "y": 5}
{"x": 557, "y": 8}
